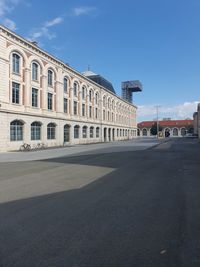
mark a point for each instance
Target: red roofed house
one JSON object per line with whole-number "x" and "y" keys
{"x": 172, "y": 128}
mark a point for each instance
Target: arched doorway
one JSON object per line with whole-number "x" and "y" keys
{"x": 109, "y": 134}
{"x": 113, "y": 134}
{"x": 167, "y": 132}
{"x": 66, "y": 133}
{"x": 144, "y": 132}
{"x": 183, "y": 131}
{"x": 175, "y": 132}
{"x": 105, "y": 134}
{"x": 138, "y": 132}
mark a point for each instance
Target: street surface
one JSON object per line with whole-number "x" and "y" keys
{"x": 133, "y": 203}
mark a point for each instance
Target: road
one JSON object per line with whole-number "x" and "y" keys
{"x": 126, "y": 207}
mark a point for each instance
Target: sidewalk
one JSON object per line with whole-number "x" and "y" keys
{"x": 130, "y": 145}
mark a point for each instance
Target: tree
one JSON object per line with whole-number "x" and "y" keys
{"x": 190, "y": 129}
{"x": 153, "y": 129}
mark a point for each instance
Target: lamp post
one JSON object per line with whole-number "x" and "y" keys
{"x": 157, "y": 122}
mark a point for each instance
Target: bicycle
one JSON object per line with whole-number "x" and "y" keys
{"x": 25, "y": 147}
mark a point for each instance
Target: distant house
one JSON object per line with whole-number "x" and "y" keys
{"x": 172, "y": 128}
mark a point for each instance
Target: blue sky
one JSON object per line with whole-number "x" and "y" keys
{"x": 157, "y": 42}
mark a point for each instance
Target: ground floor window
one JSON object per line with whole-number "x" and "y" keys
{"x": 16, "y": 130}
{"x": 51, "y": 131}
{"x": 97, "y": 132}
{"x": 84, "y": 131}
{"x": 91, "y": 132}
{"x": 36, "y": 131}
{"x": 76, "y": 131}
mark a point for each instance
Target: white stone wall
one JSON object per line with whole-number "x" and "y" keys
{"x": 119, "y": 114}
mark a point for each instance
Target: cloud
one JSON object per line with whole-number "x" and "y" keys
{"x": 10, "y": 24}
{"x": 79, "y": 11}
{"x": 181, "y": 111}
{"x": 53, "y": 22}
{"x": 44, "y": 30}
{"x": 6, "y": 7}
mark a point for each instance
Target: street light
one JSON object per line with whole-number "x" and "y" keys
{"x": 157, "y": 123}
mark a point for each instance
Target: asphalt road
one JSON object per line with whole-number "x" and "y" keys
{"x": 127, "y": 208}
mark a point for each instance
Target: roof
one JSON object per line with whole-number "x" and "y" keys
{"x": 166, "y": 123}
{"x": 100, "y": 80}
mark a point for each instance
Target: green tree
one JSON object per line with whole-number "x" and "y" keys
{"x": 190, "y": 129}
{"x": 153, "y": 129}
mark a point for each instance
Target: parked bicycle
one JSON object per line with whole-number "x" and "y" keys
{"x": 25, "y": 147}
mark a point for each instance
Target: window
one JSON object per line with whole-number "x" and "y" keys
{"x": 104, "y": 115}
{"x": 15, "y": 93}
{"x": 51, "y": 131}
{"x": 97, "y": 132}
{"x": 90, "y": 96}
{"x": 75, "y": 108}
{"x": 91, "y": 132}
{"x": 90, "y": 111}
{"x": 50, "y": 101}
{"x": 96, "y": 98}
{"x": 36, "y": 131}
{"x": 65, "y": 85}
{"x": 84, "y": 133}
{"x": 34, "y": 71}
{"x": 96, "y": 113}
{"x": 16, "y": 131}
{"x": 76, "y": 131}
{"x": 83, "y": 109}
{"x": 16, "y": 63}
{"x": 104, "y": 101}
{"x": 34, "y": 97}
{"x": 50, "y": 78}
{"x": 75, "y": 89}
{"x": 65, "y": 104}
{"x": 83, "y": 92}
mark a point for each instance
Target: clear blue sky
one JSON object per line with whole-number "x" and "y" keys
{"x": 157, "y": 42}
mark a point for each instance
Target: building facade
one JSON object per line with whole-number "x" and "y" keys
{"x": 196, "y": 117}
{"x": 170, "y": 128}
{"x": 44, "y": 100}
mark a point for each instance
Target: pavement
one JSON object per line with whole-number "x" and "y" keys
{"x": 132, "y": 203}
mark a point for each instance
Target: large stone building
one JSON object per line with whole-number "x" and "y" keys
{"x": 172, "y": 128}
{"x": 44, "y": 100}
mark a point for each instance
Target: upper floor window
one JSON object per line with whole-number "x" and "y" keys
{"x": 75, "y": 108}
{"x": 50, "y": 77}
{"x": 34, "y": 97}
{"x": 104, "y": 101}
{"x": 16, "y": 63}
{"x": 75, "y": 89}
{"x": 96, "y": 98}
{"x": 35, "y": 71}
{"x": 15, "y": 93}
{"x": 65, "y": 104}
{"x": 90, "y": 96}
{"x": 83, "y": 92}
{"x": 50, "y": 101}
{"x": 65, "y": 85}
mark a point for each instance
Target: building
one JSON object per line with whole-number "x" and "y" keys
{"x": 196, "y": 117}
{"x": 172, "y": 128}
{"x": 44, "y": 100}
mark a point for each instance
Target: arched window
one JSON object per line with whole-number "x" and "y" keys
{"x": 75, "y": 89}
{"x": 83, "y": 92}
{"x": 16, "y": 130}
{"x": 16, "y": 63}
{"x": 109, "y": 103}
{"x": 175, "y": 132}
{"x": 96, "y": 98}
{"x": 65, "y": 85}
{"x": 91, "y": 132}
{"x": 51, "y": 131}
{"x": 183, "y": 131}
{"x": 76, "y": 131}
{"x": 34, "y": 71}
{"x": 104, "y": 101}
{"x": 97, "y": 132}
{"x": 113, "y": 104}
{"x": 66, "y": 133}
{"x": 50, "y": 78}
{"x": 144, "y": 132}
{"x": 84, "y": 132}
{"x": 35, "y": 130}
{"x": 90, "y": 95}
